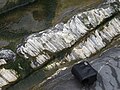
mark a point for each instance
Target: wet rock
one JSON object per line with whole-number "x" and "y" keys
{"x": 6, "y": 5}
{"x": 42, "y": 46}
{"x": 108, "y": 67}
{"x": 30, "y": 18}
{"x": 3, "y": 43}
{"x": 27, "y": 24}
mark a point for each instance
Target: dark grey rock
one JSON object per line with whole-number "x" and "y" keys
{"x": 2, "y": 3}
{"x": 4, "y": 43}
{"x": 7, "y": 5}
{"x": 27, "y": 23}
{"x": 108, "y": 67}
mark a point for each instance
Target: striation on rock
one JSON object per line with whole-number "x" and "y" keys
{"x": 42, "y": 46}
{"x": 96, "y": 41}
{"x": 83, "y": 35}
{"x": 7, "y": 75}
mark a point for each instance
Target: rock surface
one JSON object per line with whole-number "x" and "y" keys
{"x": 108, "y": 67}
{"x": 3, "y": 43}
{"x": 7, "y": 75}
{"x": 96, "y": 41}
{"x": 43, "y": 46}
{"x": 2, "y": 3}
{"x": 6, "y": 5}
{"x": 7, "y": 55}
{"x": 27, "y": 24}
{"x": 81, "y": 36}
{"x": 30, "y": 18}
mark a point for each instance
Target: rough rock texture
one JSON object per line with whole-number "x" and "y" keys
{"x": 108, "y": 66}
{"x": 42, "y": 46}
{"x": 7, "y": 75}
{"x": 7, "y": 55}
{"x": 96, "y": 41}
{"x": 4, "y": 43}
{"x": 81, "y": 36}
{"x": 2, "y": 3}
{"x": 29, "y": 18}
{"x": 6, "y": 5}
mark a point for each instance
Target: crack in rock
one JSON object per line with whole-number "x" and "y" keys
{"x": 45, "y": 45}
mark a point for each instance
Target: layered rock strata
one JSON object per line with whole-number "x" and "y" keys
{"x": 43, "y": 46}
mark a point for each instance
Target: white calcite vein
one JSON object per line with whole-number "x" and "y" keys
{"x": 41, "y": 46}
{"x": 7, "y": 76}
{"x": 95, "y": 41}
{"x": 2, "y": 62}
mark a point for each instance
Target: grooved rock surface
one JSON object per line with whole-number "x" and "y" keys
{"x": 96, "y": 41}
{"x": 7, "y": 75}
{"x": 42, "y": 46}
{"x": 108, "y": 66}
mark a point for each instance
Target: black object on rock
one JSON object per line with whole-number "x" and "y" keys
{"x": 85, "y": 73}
